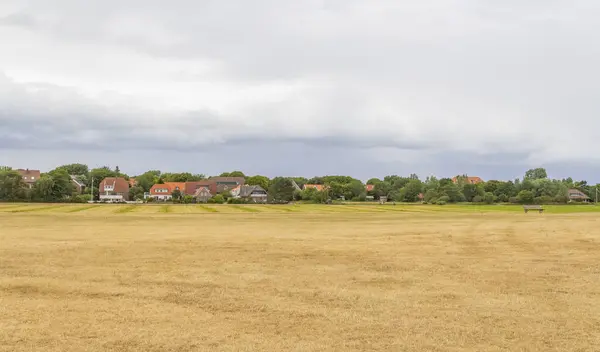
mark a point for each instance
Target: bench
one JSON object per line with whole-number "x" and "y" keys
{"x": 539, "y": 208}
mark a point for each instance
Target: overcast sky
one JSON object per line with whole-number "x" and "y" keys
{"x": 311, "y": 87}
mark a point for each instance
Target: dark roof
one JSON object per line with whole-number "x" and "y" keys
{"x": 577, "y": 194}
{"x": 246, "y": 191}
{"x": 237, "y": 180}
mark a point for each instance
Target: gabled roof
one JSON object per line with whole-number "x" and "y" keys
{"x": 471, "y": 180}
{"x": 30, "y": 175}
{"x": 200, "y": 190}
{"x": 577, "y": 194}
{"x": 169, "y": 186}
{"x": 317, "y": 187}
{"x": 76, "y": 181}
{"x": 120, "y": 184}
{"x": 237, "y": 180}
{"x": 246, "y": 191}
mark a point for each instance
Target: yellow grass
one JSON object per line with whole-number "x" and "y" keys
{"x": 143, "y": 278}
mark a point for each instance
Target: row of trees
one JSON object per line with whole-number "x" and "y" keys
{"x": 534, "y": 187}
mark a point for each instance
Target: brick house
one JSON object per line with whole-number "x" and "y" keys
{"x": 30, "y": 176}
{"x": 114, "y": 189}
{"x": 202, "y": 195}
{"x": 227, "y": 183}
{"x": 164, "y": 191}
{"x": 468, "y": 179}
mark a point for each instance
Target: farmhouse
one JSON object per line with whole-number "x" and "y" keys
{"x": 164, "y": 191}
{"x": 576, "y": 195}
{"x": 468, "y": 179}
{"x": 30, "y": 176}
{"x": 114, "y": 189}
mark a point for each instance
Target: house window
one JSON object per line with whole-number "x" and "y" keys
{"x": 108, "y": 187}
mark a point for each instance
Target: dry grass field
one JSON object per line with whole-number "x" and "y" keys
{"x": 297, "y": 278}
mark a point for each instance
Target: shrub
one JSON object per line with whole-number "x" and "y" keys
{"x": 440, "y": 202}
{"x": 526, "y": 197}
{"x": 218, "y": 199}
{"x": 444, "y": 199}
{"x": 236, "y": 201}
{"x": 477, "y": 199}
{"x": 489, "y": 198}
{"x": 561, "y": 199}
{"x": 513, "y": 200}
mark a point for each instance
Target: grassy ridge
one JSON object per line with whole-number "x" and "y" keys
{"x": 296, "y": 208}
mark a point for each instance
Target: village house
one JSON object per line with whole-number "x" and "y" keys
{"x": 227, "y": 183}
{"x": 192, "y": 187}
{"x": 467, "y": 179}
{"x": 114, "y": 189}
{"x": 164, "y": 191}
{"x": 314, "y": 186}
{"x": 576, "y": 195}
{"x": 253, "y": 194}
{"x": 30, "y": 176}
{"x": 77, "y": 184}
{"x": 202, "y": 195}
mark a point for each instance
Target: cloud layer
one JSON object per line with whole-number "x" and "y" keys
{"x": 486, "y": 86}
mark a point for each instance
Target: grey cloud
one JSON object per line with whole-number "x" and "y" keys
{"x": 480, "y": 85}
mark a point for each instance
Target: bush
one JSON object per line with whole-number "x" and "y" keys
{"x": 188, "y": 199}
{"x": 477, "y": 199}
{"x": 503, "y": 198}
{"x": 236, "y": 201}
{"x": 440, "y": 202}
{"x": 526, "y": 197}
{"x": 561, "y": 199}
{"x": 489, "y": 198}
{"x": 444, "y": 199}
{"x": 150, "y": 200}
{"x": 544, "y": 200}
{"x": 218, "y": 199}
{"x": 513, "y": 200}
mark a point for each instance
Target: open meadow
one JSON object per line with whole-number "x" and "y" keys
{"x": 298, "y": 278}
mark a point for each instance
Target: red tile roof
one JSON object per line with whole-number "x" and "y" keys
{"x": 30, "y": 176}
{"x": 120, "y": 184}
{"x": 369, "y": 188}
{"x": 169, "y": 186}
{"x": 472, "y": 180}
{"x": 317, "y": 187}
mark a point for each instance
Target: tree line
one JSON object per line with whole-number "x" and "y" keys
{"x": 533, "y": 188}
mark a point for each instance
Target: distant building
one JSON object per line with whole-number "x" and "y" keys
{"x": 468, "y": 179}
{"x": 576, "y": 195}
{"x": 114, "y": 189}
{"x": 30, "y": 176}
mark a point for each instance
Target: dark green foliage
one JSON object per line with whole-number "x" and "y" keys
{"x": 12, "y": 186}
{"x": 282, "y": 189}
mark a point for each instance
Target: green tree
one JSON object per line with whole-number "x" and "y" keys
{"x": 176, "y": 195}
{"x": 526, "y": 197}
{"x": 12, "y": 186}
{"x": 259, "y": 180}
{"x": 412, "y": 190}
{"x": 75, "y": 169}
{"x": 489, "y": 198}
{"x": 373, "y": 181}
{"x": 536, "y": 174}
{"x": 44, "y": 189}
{"x": 282, "y": 189}
{"x": 471, "y": 191}
{"x": 136, "y": 192}
{"x": 233, "y": 174}
{"x": 148, "y": 179}
{"x": 382, "y": 189}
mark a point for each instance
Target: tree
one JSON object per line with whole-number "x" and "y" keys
{"x": 412, "y": 190}
{"x": 373, "y": 181}
{"x": 489, "y": 198}
{"x": 526, "y": 197}
{"x": 382, "y": 189}
{"x": 12, "y": 186}
{"x": 471, "y": 191}
{"x": 233, "y": 174}
{"x": 75, "y": 169}
{"x": 136, "y": 192}
{"x": 63, "y": 187}
{"x": 117, "y": 170}
{"x": 536, "y": 174}
{"x": 176, "y": 195}
{"x": 182, "y": 177}
{"x": 148, "y": 179}
{"x": 282, "y": 189}
{"x": 258, "y": 180}
{"x": 43, "y": 189}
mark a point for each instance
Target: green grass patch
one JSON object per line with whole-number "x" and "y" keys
{"x": 80, "y": 209}
{"x": 30, "y": 209}
{"x": 246, "y": 209}
{"x": 208, "y": 209}
{"x": 128, "y": 209}
{"x": 165, "y": 209}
